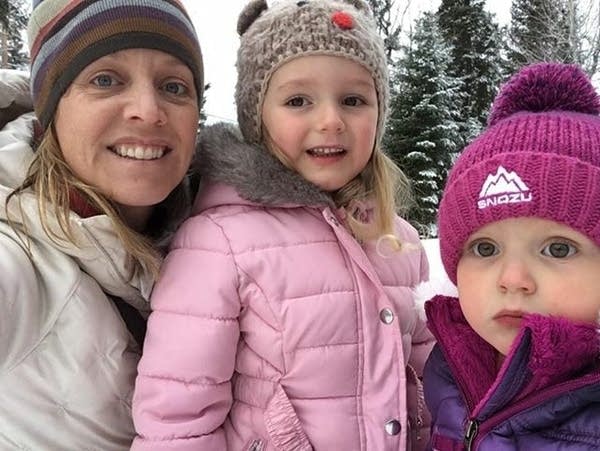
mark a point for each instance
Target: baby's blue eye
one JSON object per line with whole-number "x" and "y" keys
{"x": 484, "y": 249}
{"x": 559, "y": 249}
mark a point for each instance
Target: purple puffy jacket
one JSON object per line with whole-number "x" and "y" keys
{"x": 546, "y": 395}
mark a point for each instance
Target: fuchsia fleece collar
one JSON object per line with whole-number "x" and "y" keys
{"x": 559, "y": 349}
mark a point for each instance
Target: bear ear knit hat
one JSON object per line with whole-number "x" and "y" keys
{"x": 272, "y": 36}
{"x": 67, "y": 35}
{"x": 539, "y": 157}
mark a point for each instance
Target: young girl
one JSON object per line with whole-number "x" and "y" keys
{"x": 283, "y": 319}
{"x": 517, "y": 365}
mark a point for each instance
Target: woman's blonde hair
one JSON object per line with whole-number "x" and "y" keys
{"x": 53, "y": 183}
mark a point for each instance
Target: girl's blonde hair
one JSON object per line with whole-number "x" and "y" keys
{"x": 384, "y": 183}
{"x": 381, "y": 181}
{"x": 53, "y": 183}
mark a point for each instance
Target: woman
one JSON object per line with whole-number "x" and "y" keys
{"x": 85, "y": 210}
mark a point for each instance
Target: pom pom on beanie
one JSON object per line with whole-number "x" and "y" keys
{"x": 539, "y": 157}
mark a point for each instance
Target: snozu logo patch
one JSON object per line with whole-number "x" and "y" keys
{"x": 503, "y": 187}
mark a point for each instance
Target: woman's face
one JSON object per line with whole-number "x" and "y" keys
{"x": 127, "y": 126}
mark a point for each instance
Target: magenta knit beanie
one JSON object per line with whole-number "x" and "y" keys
{"x": 539, "y": 156}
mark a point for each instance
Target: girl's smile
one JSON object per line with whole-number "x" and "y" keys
{"x": 320, "y": 118}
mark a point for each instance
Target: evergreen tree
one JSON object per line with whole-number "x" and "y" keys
{"x": 13, "y": 23}
{"x": 202, "y": 120}
{"x": 4, "y": 12}
{"x": 476, "y": 46}
{"x": 423, "y": 132}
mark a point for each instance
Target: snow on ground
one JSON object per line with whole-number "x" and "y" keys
{"x": 438, "y": 280}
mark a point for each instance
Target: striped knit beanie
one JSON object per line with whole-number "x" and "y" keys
{"x": 272, "y": 36}
{"x": 67, "y": 35}
{"x": 539, "y": 157}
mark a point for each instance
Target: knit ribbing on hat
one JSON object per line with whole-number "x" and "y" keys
{"x": 272, "y": 36}
{"x": 67, "y": 35}
{"x": 539, "y": 158}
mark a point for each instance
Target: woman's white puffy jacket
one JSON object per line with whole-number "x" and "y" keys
{"x": 67, "y": 359}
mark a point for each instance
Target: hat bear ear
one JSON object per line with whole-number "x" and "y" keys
{"x": 249, "y": 14}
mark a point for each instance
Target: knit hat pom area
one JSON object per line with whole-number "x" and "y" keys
{"x": 546, "y": 87}
{"x": 539, "y": 157}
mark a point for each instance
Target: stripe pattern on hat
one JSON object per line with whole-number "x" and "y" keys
{"x": 66, "y": 36}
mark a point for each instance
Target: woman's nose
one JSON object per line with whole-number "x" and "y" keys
{"x": 145, "y": 104}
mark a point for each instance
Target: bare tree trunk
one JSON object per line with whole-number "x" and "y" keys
{"x": 3, "y": 47}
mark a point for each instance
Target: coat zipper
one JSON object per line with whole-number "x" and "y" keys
{"x": 256, "y": 445}
{"x": 476, "y": 429}
{"x": 472, "y": 430}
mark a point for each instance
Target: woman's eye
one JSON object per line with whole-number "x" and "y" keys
{"x": 484, "y": 249}
{"x": 559, "y": 249}
{"x": 296, "y": 102}
{"x": 353, "y": 101}
{"x": 103, "y": 81}
{"x": 175, "y": 88}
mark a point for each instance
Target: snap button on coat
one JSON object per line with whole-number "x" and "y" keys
{"x": 386, "y": 316}
{"x": 392, "y": 427}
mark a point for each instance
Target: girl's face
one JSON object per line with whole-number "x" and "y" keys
{"x": 526, "y": 265}
{"x": 320, "y": 117}
{"x": 127, "y": 126}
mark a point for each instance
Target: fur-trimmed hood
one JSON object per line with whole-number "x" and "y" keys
{"x": 256, "y": 175}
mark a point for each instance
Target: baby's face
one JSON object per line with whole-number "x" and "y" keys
{"x": 526, "y": 265}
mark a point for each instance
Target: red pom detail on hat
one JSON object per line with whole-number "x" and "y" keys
{"x": 343, "y": 20}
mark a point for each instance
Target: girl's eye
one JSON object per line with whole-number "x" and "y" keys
{"x": 484, "y": 249}
{"x": 296, "y": 102}
{"x": 175, "y": 88}
{"x": 104, "y": 81}
{"x": 559, "y": 249}
{"x": 353, "y": 101}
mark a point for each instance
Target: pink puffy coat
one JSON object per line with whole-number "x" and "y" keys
{"x": 273, "y": 328}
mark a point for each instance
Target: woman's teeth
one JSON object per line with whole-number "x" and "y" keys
{"x": 140, "y": 152}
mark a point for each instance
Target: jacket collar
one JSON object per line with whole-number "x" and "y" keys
{"x": 98, "y": 252}
{"x": 547, "y": 351}
{"x": 254, "y": 173}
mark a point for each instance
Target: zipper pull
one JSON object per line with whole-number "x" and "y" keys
{"x": 472, "y": 430}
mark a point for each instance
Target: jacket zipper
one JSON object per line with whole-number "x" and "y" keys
{"x": 476, "y": 429}
{"x": 256, "y": 445}
{"x": 472, "y": 430}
